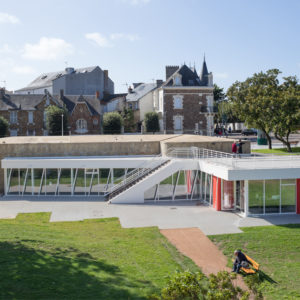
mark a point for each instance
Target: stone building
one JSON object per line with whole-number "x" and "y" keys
{"x": 185, "y": 101}
{"x": 26, "y": 114}
{"x": 82, "y": 81}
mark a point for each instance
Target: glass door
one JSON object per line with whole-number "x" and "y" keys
{"x": 240, "y": 196}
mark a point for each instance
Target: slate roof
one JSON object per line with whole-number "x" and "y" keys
{"x": 112, "y": 97}
{"x": 140, "y": 91}
{"x": 45, "y": 80}
{"x": 92, "y": 103}
{"x": 188, "y": 77}
{"x": 21, "y": 102}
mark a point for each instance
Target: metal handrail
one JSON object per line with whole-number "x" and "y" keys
{"x": 137, "y": 173}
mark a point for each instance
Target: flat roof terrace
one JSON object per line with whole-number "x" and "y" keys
{"x": 253, "y": 167}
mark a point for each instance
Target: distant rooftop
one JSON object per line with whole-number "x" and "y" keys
{"x": 45, "y": 80}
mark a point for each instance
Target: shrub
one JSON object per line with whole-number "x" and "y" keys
{"x": 54, "y": 118}
{"x": 151, "y": 122}
{"x": 3, "y": 127}
{"x": 112, "y": 123}
{"x": 195, "y": 286}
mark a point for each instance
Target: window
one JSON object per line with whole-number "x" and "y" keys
{"x": 45, "y": 117}
{"x": 81, "y": 126}
{"x": 13, "y": 132}
{"x": 177, "y": 102}
{"x": 31, "y": 132}
{"x": 13, "y": 117}
{"x": 30, "y": 117}
{"x": 95, "y": 121}
{"x": 177, "y": 80}
{"x": 177, "y": 123}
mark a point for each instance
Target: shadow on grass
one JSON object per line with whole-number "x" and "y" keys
{"x": 44, "y": 273}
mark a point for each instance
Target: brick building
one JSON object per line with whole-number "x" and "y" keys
{"x": 26, "y": 114}
{"x": 185, "y": 101}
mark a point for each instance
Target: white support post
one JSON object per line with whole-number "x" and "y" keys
{"x": 246, "y": 198}
{"x": 5, "y": 181}
{"x": 32, "y": 182}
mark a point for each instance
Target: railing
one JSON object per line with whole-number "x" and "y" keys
{"x": 137, "y": 173}
{"x": 197, "y": 153}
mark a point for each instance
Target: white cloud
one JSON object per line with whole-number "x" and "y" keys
{"x": 98, "y": 38}
{"x": 124, "y": 36}
{"x": 6, "y": 18}
{"x": 221, "y": 75}
{"x": 107, "y": 41}
{"x": 136, "y": 2}
{"x": 6, "y": 49}
{"x": 47, "y": 49}
{"x": 23, "y": 70}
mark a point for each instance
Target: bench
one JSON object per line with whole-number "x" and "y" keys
{"x": 253, "y": 263}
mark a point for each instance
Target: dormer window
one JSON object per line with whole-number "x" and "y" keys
{"x": 177, "y": 79}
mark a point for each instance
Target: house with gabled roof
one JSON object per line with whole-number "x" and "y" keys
{"x": 26, "y": 114}
{"x": 185, "y": 101}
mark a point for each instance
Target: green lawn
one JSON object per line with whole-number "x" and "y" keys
{"x": 92, "y": 259}
{"x": 279, "y": 151}
{"x": 277, "y": 249}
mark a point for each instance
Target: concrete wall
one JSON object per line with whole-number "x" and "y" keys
{"x": 82, "y": 83}
{"x": 146, "y": 105}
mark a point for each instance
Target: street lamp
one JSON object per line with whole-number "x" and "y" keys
{"x": 62, "y": 124}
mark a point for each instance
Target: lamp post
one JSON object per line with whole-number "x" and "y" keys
{"x": 62, "y": 124}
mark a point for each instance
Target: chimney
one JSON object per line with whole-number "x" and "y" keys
{"x": 61, "y": 94}
{"x": 159, "y": 82}
{"x": 97, "y": 94}
{"x": 129, "y": 90}
{"x": 69, "y": 70}
{"x": 105, "y": 80}
{"x": 2, "y": 93}
{"x": 170, "y": 70}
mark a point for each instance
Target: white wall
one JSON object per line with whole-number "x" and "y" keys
{"x": 146, "y": 105}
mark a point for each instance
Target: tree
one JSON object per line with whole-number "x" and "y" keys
{"x": 3, "y": 127}
{"x": 252, "y": 100}
{"x": 128, "y": 118}
{"x": 286, "y": 110}
{"x": 152, "y": 122}
{"x": 112, "y": 123}
{"x": 54, "y": 120}
{"x": 218, "y": 93}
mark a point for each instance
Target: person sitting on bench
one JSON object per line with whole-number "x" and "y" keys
{"x": 240, "y": 261}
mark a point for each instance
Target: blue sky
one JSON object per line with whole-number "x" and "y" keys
{"x": 136, "y": 39}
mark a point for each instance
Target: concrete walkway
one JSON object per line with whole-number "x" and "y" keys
{"x": 164, "y": 215}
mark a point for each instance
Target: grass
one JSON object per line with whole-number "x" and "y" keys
{"x": 91, "y": 259}
{"x": 277, "y": 250}
{"x": 279, "y": 151}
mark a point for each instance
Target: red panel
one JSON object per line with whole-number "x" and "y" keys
{"x": 188, "y": 182}
{"x": 217, "y": 193}
{"x": 298, "y": 196}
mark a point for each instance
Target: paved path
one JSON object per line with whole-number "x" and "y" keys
{"x": 193, "y": 243}
{"x": 165, "y": 215}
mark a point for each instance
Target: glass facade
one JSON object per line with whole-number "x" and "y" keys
{"x": 182, "y": 185}
{"x": 272, "y": 196}
{"x": 81, "y": 182}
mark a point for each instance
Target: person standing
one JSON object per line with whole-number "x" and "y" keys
{"x": 234, "y": 147}
{"x": 240, "y": 146}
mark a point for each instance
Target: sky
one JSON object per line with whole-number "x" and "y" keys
{"x": 136, "y": 39}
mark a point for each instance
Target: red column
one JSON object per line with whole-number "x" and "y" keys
{"x": 298, "y": 196}
{"x": 217, "y": 193}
